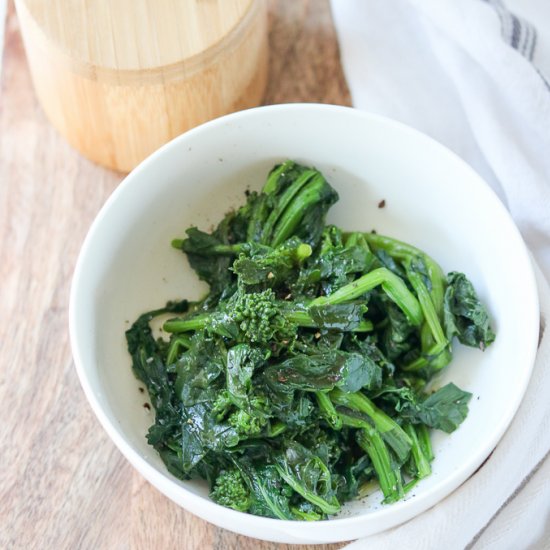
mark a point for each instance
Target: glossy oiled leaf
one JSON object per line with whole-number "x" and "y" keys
{"x": 465, "y": 316}
{"x": 444, "y": 409}
{"x": 342, "y": 317}
{"x": 198, "y": 370}
{"x": 348, "y": 371}
{"x": 269, "y": 492}
{"x": 242, "y": 361}
{"x": 213, "y": 269}
{"x": 309, "y": 476}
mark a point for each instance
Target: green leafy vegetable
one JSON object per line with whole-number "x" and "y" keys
{"x": 349, "y": 371}
{"x": 464, "y": 315}
{"x": 230, "y": 490}
{"x": 309, "y": 476}
{"x": 300, "y": 377}
{"x": 444, "y": 409}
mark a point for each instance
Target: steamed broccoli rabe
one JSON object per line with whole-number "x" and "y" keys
{"x": 300, "y": 377}
{"x": 231, "y": 490}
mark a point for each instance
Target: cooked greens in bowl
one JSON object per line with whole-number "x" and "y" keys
{"x": 390, "y": 178}
{"x": 307, "y": 371}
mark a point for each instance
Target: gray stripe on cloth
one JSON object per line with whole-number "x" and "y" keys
{"x": 533, "y": 45}
{"x": 516, "y": 31}
{"x": 546, "y": 83}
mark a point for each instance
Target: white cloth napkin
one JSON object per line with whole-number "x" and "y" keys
{"x": 475, "y": 75}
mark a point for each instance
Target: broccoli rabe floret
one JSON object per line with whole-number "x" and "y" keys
{"x": 259, "y": 317}
{"x": 221, "y": 405}
{"x": 252, "y": 317}
{"x": 248, "y": 418}
{"x": 245, "y": 424}
{"x": 230, "y": 490}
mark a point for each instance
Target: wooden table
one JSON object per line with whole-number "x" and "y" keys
{"x": 63, "y": 483}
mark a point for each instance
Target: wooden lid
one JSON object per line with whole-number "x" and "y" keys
{"x": 135, "y": 35}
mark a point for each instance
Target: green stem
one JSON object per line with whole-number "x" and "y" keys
{"x": 283, "y": 202}
{"x": 273, "y": 178}
{"x": 310, "y": 515}
{"x": 199, "y": 322}
{"x": 404, "y": 252}
{"x": 328, "y": 411}
{"x": 216, "y": 250}
{"x": 352, "y": 239}
{"x": 352, "y": 421}
{"x": 175, "y": 345}
{"x": 421, "y": 461}
{"x": 303, "y": 251}
{"x": 433, "y": 339}
{"x": 392, "y": 285}
{"x": 294, "y": 213}
{"x": 435, "y": 356}
{"x": 425, "y": 441}
{"x": 428, "y": 309}
{"x": 277, "y": 428}
{"x": 326, "y": 506}
{"x": 303, "y": 319}
{"x": 391, "y": 431}
{"x": 371, "y": 441}
{"x": 409, "y": 485}
{"x": 432, "y": 360}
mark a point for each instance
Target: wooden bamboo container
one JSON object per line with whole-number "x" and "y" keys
{"x": 118, "y": 78}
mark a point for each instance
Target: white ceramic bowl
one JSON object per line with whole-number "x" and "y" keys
{"x": 433, "y": 200}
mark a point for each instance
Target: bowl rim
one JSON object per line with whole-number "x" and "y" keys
{"x": 196, "y": 503}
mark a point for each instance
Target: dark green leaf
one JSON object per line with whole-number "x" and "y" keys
{"x": 464, "y": 315}
{"x": 198, "y": 369}
{"x": 242, "y": 361}
{"x": 270, "y": 494}
{"x": 348, "y": 371}
{"x": 309, "y": 476}
{"x": 342, "y": 317}
{"x": 444, "y": 409}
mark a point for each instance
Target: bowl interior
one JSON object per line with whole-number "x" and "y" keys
{"x": 432, "y": 200}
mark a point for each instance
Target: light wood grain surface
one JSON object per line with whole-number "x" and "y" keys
{"x": 63, "y": 484}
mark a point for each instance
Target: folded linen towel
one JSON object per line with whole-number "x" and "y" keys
{"x": 475, "y": 75}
